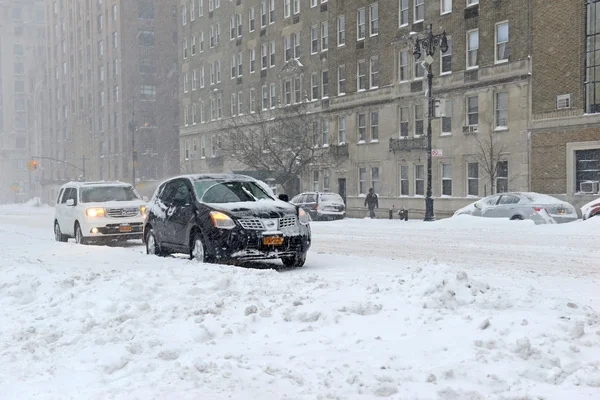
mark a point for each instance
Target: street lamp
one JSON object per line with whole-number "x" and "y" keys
{"x": 133, "y": 129}
{"x": 427, "y": 45}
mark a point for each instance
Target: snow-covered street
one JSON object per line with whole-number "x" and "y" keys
{"x": 458, "y": 309}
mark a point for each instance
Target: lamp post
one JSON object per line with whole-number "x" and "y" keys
{"x": 428, "y": 45}
{"x": 133, "y": 129}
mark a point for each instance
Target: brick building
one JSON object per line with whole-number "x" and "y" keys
{"x": 357, "y": 70}
{"x": 22, "y": 33}
{"x": 110, "y": 62}
{"x": 565, "y": 134}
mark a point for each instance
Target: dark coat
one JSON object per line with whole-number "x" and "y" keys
{"x": 372, "y": 200}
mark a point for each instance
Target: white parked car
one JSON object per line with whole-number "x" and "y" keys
{"x": 98, "y": 211}
{"x": 540, "y": 208}
{"x": 591, "y": 209}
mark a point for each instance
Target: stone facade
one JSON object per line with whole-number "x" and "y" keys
{"x": 397, "y": 103}
{"x": 109, "y": 63}
{"x": 22, "y": 35}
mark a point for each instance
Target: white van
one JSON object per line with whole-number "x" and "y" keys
{"x": 98, "y": 211}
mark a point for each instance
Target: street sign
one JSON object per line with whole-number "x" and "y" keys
{"x": 436, "y": 153}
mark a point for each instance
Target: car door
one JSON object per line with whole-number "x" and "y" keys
{"x": 505, "y": 207}
{"x": 58, "y": 208}
{"x": 181, "y": 214}
{"x": 163, "y": 204}
{"x": 489, "y": 206}
{"x": 63, "y": 212}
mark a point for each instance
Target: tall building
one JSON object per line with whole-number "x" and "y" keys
{"x": 565, "y": 139}
{"x": 357, "y": 69}
{"x": 22, "y": 46}
{"x": 110, "y": 63}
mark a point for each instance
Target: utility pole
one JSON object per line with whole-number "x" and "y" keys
{"x": 133, "y": 130}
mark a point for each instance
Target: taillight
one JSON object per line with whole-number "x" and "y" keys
{"x": 315, "y": 206}
{"x": 538, "y": 209}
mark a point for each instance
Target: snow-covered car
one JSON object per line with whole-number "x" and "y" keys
{"x": 321, "y": 206}
{"x": 591, "y": 209}
{"x": 221, "y": 218}
{"x": 98, "y": 211}
{"x": 540, "y": 208}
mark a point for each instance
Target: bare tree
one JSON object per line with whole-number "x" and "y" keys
{"x": 283, "y": 142}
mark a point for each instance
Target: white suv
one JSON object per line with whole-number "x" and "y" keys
{"x": 96, "y": 211}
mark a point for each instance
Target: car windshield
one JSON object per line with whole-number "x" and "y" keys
{"x": 331, "y": 198}
{"x": 230, "y": 192}
{"x": 102, "y": 194}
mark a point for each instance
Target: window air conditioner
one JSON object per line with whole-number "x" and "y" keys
{"x": 589, "y": 187}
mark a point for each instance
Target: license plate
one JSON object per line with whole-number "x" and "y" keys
{"x": 273, "y": 240}
{"x": 125, "y": 228}
{"x": 561, "y": 211}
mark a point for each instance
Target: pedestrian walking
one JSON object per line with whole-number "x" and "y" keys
{"x": 372, "y": 202}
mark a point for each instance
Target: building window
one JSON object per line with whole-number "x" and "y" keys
{"x": 115, "y": 40}
{"x": 314, "y": 48}
{"x": 202, "y": 77}
{"x": 314, "y": 84}
{"x": 273, "y": 95}
{"x": 234, "y": 104}
{"x": 341, "y": 26}
{"x": 418, "y": 69}
{"x": 472, "y": 2}
{"x": 473, "y": 110}
{"x": 341, "y": 80}
{"x": 419, "y": 125}
{"x": 263, "y": 56}
{"x": 287, "y": 8}
{"x": 473, "y": 179}
{"x": 297, "y": 45}
{"x": 252, "y": 101}
{"x": 185, "y": 116}
{"x": 265, "y": 98}
{"x": 472, "y": 49}
{"x": 313, "y": 3}
{"x": 374, "y": 16}
{"x": 203, "y": 147}
{"x": 271, "y": 11}
{"x": 403, "y": 180}
{"x": 263, "y": 14}
{"x": 287, "y": 48}
{"x": 202, "y": 113}
{"x": 446, "y": 6}
{"x": 374, "y": 66}
{"x": 361, "y": 78}
{"x": 194, "y": 114}
{"x": 146, "y": 38}
{"x": 403, "y": 13}
{"x": 361, "y": 24}
{"x": 252, "y": 60}
{"x": 362, "y": 127}
{"x": 100, "y": 48}
{"x": 147, "y": 91}
{"x": 287, "y": 92}
{"x": 251, "y": 20}
{"x": 446, "y": 179}
{"x": 233, "y": 66}
{"x": 419, "y": 10}
{"x": 296, "y": 7}
{"x": 200, "y": 8}
{"x": 502, "y": 110}
{"x": 325, "y": 84}
{"x": 297, "y": 90}
{"x": 446, "y": 64}
{"x": 213, "y": 146}
{"x": 145, "y": 10}
{"x": 315, "y": 181}
{"x": 325, "y": 132}
{"x": 185, "y": 83}
{"x": 447, "y": 118}
{"x": 241, "y": 103}
{"x": 183, "y": 14}
{"x": 403, "y": 70}
{"x": 404, "y": 122}
{"x": 326, "y": 181}
{"x": 502, "y": 42}
{"x": 587, "y": 167}
{"x": 194, "y": 79}
{"x": 419, "y": 180}
{"x": 324, "y": 36}
{"x": 219, "y": 107}
{"x": 272, "y": 58}
{"x": 375, "y": 182}
{"x": 342, "y": 129}
{"x": 211, "y": 36}
{"x": 592, "y": 79}
{"x": 362, "y": 180}
{"x": 502, "y": 177}
{"x": 375, "y": 126}
{"x": 213, "y": 110}
{"x": 240, "y": 26}
{"x": 187, "y": 150}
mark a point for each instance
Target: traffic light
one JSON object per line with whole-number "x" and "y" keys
{"x": 32, "y": 165}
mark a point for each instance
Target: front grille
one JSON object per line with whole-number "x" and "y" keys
{"x": 251, "y": 224}
{"x": 287, "y": 222}
{"x": 122, "y": 212}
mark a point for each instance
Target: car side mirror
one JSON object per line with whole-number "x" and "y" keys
{"x": 70, "y": 203}
{"x": 284, "y": 197}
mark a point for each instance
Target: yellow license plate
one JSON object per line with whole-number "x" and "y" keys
{"x": 125, "y": 228}
{"x": 273, "y": 240}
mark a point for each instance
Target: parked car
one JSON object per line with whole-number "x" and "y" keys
{"x": 591, "y": 209}
{"x": 539, "y": 208}
{"x": 321, "y": 205}
{"x": 221, "y": 218}
{"x": 98, "y": 211}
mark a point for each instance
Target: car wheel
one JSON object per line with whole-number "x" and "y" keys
{"x": 79, "y": 238}
{"x": 198, "y": 249}
{"x": 152, "y": 245}
{"x": 58, "y": 236}
{"x": 517, "y": 218}
{"x": 296, "y": 261}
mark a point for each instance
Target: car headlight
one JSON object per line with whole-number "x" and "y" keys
{"x": 143, "y": 211}
{"x": 94, "y": 212}
{"x": 222, "y": 221}
{"x": 303, "y": 217}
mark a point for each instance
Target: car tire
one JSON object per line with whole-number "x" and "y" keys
{"x": 58, "y": 236}
{"x": 79, "y": 238}
{"x": 516, "y": 218}
{"x": 153, "y": 245}
{"x": 296, "y": 261}
{"x": 198, "y": 249}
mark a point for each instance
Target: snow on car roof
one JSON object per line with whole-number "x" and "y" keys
{"x": 216, "y": 177}
{"x": 97, "y": 183}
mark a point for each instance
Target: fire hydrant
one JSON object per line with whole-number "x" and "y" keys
{"x": 403, "y": 214}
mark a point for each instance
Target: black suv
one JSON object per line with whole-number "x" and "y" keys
{"x": 220, "y": 218}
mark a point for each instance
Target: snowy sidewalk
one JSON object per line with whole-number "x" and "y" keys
{"x": 82, "y": 322}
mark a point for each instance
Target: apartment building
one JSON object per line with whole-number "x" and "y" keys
{"x": 22, "y": 33}
{"x": 565, "y": 135}
{"x": 110, "y": 63}
{"x": 353, "y": 61}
